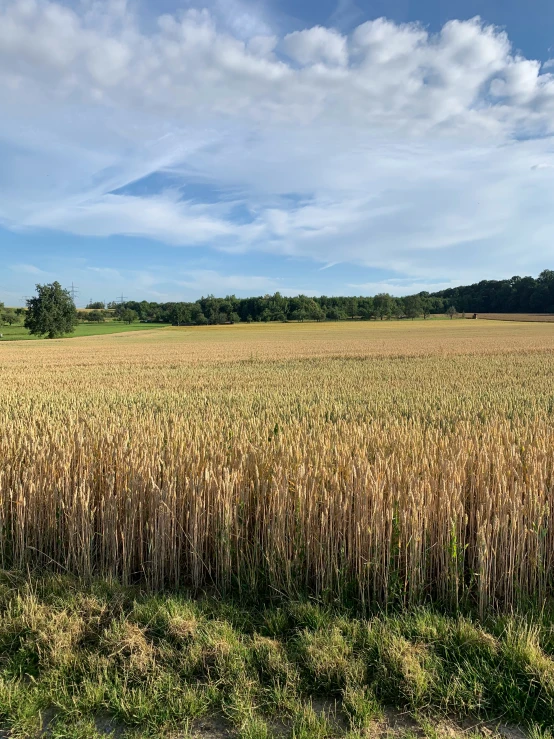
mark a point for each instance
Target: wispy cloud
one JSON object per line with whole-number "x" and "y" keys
{"x": 205, "y": 281}
{"x": 28, "y": 269}
{"x": 400, "y": 287}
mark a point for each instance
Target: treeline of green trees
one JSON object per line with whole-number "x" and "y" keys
{"x": 212, "y": 310}
{"x": 516, "y": 295}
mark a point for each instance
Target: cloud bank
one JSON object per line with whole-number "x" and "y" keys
{"x": 428, "y": 155}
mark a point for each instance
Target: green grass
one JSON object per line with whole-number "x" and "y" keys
{"x": 19, "y": 332}
{"x": 154, "y": 665}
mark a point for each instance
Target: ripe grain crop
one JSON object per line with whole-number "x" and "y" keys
{"x": 394, "y": 462}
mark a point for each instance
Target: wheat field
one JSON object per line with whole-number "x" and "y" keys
{"x": 390, "y": 462}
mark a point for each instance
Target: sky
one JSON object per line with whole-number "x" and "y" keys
{"x": 162, "y": 150}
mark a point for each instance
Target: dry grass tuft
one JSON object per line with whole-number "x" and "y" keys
{"x": 125, "y": 644}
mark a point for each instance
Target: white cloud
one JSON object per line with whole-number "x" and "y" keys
{"x": 157, "y": 217}
{"x": 391, "y": 147}
{"x": 316, "y": 45}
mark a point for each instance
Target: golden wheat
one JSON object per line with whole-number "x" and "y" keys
{"x": 392, "y": 461}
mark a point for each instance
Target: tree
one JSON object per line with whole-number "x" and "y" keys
{"x": 317, "y": 313}
{"x": 97, "y": 305}
{"x": 335, "y": 314}
{"x": 234, "y": 317}
{"x": 128, "y": 315}
{"x": 451, "y": 312}
{"x": 398, "y": 308}
{"x": 9, "y": 316}
{"x": 382, "y": 304}
{"x": 426, "y": 304}
{"x": 221, "y": 318}
{"x": 366, "y": 308}
{"x": 52, "y": 312}
{"x": 352, "y": 307}
{"x": 96, "y": 316}
{"x": 180, "y": 314}
{"x": 412, "y": 306}
{"x": 299, "y": 315}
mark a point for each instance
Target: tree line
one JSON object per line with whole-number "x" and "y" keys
{"x": 276, "y": 307}
{"x": 515, "y": 295}
{"x": 52, "y": 312}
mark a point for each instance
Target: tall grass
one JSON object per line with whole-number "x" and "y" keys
{"x": 390, "y": 479}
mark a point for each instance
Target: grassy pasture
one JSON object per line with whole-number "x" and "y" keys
{"x": 20, "y": 333}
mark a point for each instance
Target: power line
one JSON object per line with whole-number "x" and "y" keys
{"x": 73, "y": 291}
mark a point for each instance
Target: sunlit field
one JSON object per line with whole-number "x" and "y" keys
{"x": 276, "y": 341}
{"x": 387, "y": 462}
{"x": 279, "y": 530}
{"x": 18, "y": 332}
{"x": 520, "y": 317}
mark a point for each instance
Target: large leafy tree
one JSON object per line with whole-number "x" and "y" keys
{"x": 51, "y": 312}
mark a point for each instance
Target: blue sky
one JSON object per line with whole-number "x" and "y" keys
{"x": 165, "y": 150}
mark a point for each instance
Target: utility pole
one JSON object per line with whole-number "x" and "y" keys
{"x": 74, "y": 292}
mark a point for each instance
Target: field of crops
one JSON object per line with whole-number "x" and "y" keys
{"x": 521, "y": 317}
{"x": 393, "y": 462}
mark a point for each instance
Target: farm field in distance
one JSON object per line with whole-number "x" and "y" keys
{"x": 524, "y": 317}
{"x": 308, "y": 530}
{"x": 18, "y": 332}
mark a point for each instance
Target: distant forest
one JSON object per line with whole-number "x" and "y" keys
{"x": 516, "y": 295}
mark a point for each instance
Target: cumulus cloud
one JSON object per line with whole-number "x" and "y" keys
{"x": 390, "y": 147}
{"x": 316, "y": 45}
{"x": 189, "y": 66}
